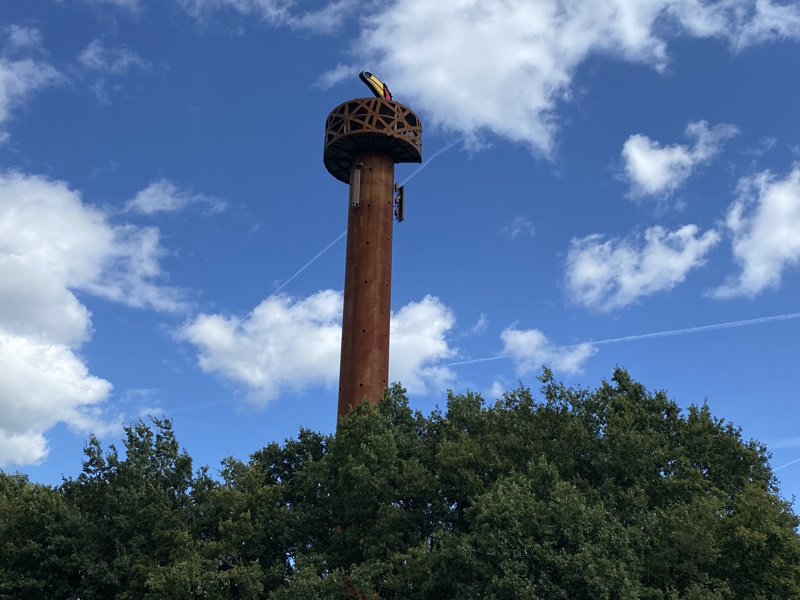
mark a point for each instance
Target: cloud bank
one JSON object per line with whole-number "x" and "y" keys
{"x": 53, "y": 245}
{"x": 504, "y": 67}
{"x": 287, "y": 345}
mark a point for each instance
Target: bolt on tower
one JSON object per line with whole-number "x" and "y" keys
{"x": 364, "y": 139}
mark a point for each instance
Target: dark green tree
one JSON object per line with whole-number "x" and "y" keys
{"x": 39, "y": 541}
{"x": 610, "y": 493}
{"x": 134, "y": 511}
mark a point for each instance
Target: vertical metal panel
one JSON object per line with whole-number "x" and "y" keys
{"x": 355, "y": 184}
{"x": 400, "y": 201}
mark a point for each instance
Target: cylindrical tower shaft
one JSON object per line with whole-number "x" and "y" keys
{"x": 364, "y": 363}
{"x": 364, "y": 139}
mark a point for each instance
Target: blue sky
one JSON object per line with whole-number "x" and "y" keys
{"x": 603, "y": 173}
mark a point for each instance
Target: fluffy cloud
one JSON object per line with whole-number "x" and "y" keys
{"x": 21, "y": 75}
{"x": 42, "y": 384}
{"x": 417, "y": 341}
{"x": 656, "y": 170}
{"x": 496, "y": 391}
{"x": 530, "y": 349}
{"x": 503, "y": 67}
{"x": 163, "y": 195}
{"x": 51, "y": 245}
{"x": 614, "y": 273}
{"x": 280, "y": 345}
{"x": 285, "y": 344}
{"x": 765, "y": 223}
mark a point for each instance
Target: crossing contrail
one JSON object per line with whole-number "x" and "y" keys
{"x": 308, "y": 264}
{"x": 430, "y": 160}
{"x": 344, "y": 233}
{"x": 648, "y": 336}
{"x": 789, "y": 464}
{"x": 688, "y": 330}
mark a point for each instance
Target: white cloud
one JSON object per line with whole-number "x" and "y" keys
{"x": 330, "y": 78}
{"x": 21, "y": 77}
{"x": 614, "y": 273}
{"x": 656, "y": 170}
{"x": 281, "y": 345}
{"x": 115, "y": 61}
{"x": 42, "y": 384}
{"x": 22, "y": 39}
{"x": 286, "y": 345}
{"x": 503, "y": 67}
{"x": 52, "y": 245}
{"x": 480, "y": 326}
{"x": 275, "y": 12}
{"x": 742, "y": 22}
{"x": 109, "y": 62}
{"x": 325, "y": 20}
{"x": 130, "y": 270}
{"x": 530, "y": 349}
{"x": 163, "y": 195}
{"x": 496, "y": 391}
{"x": 765, "y": 144}
{"x": 417, "y": 341}
{"x": 519, "y": 226}
{"x": 131, "y": 5}
{"x": 765, "y": 223}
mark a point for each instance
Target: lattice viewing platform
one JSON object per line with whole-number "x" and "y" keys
{"x": 370, "y": 124}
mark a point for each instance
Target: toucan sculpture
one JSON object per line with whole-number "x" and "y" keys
{"x": 376, "y": 85}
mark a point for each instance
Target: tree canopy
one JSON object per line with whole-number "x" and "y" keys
{"x": 607, "y": 493}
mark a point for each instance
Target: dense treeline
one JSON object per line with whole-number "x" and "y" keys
{"x": 606, "y": 493}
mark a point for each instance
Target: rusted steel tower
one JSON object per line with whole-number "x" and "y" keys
{"x": 364, "y": 138}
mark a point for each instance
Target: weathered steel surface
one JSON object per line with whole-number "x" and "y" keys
{"x": 364, "y": 366}
{"x": 370, "y": 124}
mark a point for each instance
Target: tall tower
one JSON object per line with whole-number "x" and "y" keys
{"x": 364, "y": 138}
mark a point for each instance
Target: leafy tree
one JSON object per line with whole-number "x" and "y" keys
{"x": 611, "y": 493}
{"x": 134, "y": 511}
{"x": 38, "y": 541}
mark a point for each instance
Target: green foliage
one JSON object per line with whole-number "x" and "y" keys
{"x": 611, "y": 493}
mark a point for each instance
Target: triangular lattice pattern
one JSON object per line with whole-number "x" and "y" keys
{"x": 370, "y": 124}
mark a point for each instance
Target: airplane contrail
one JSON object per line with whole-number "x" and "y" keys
{"x": 647, "y": 336}
{"x": 688, "y": 330}
{"x": 308, "y": 264}
{"x": 344, "y": 233}
{"x": 430, "y": 160}
{"x": 789, "y": 464}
